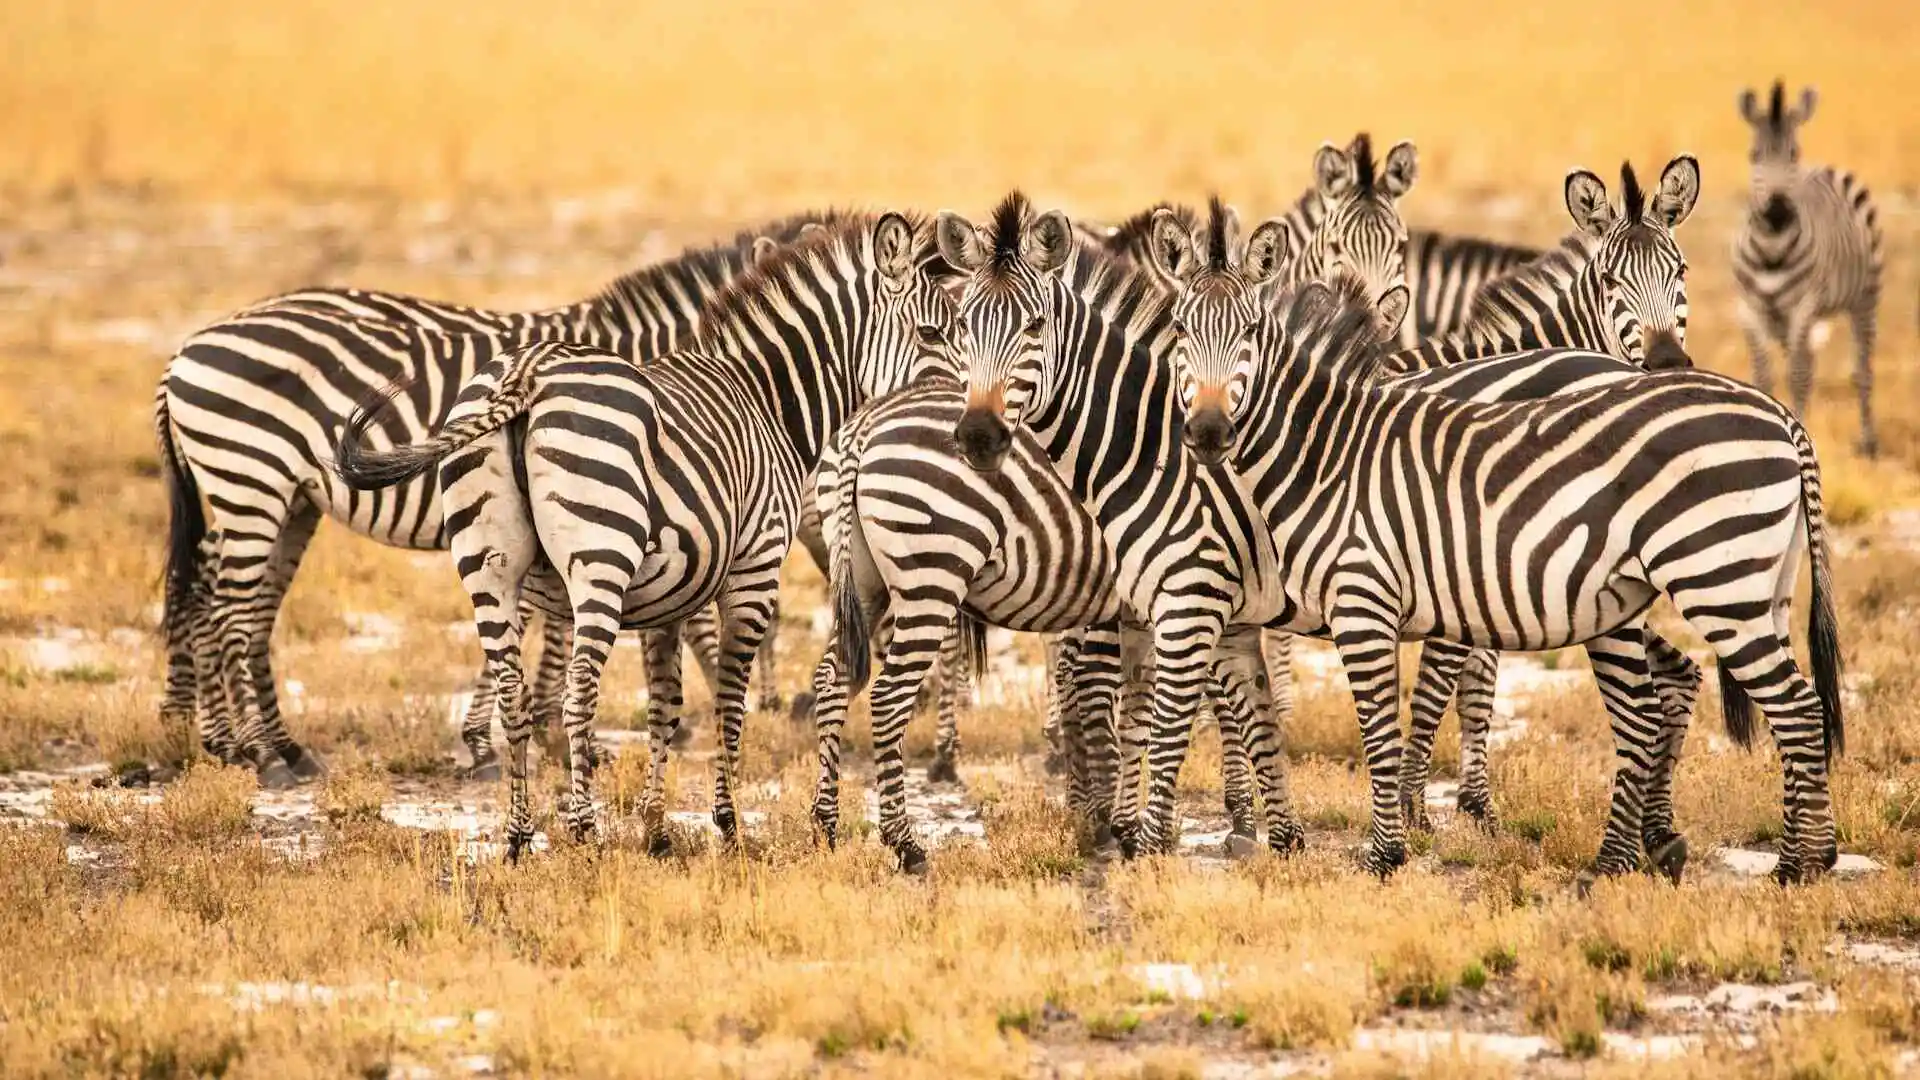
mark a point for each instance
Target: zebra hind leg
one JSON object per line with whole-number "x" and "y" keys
{"x": 701, "y": 632}
{"x": 1369, "y": 646}
{"x": 1676, "y": 680}
{"x": 746, "y": 612}
{"x": 1620, "y": 668}
{"x": 1474, "y": 702}
{"x": 1433, "y": 687}
{"x": 1088, "y": 676}
{"x": 661, "y": 651}
{"x": 1248, "y": 686}
{"x": 956, "y": 690}
{"x": 1235, "y": 720}
{"x": 295, "y": 536}
{"x": 1865, "y": 327}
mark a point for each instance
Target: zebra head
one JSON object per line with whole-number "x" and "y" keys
{"x": 913, "y": 314}
{"x": 1362, "y": 235}
{"x": 1775, "y": 155}
{"x": 1637, "y": 274}
{"x": 1217, "y": 311}
{"x": 1005, "y": 337}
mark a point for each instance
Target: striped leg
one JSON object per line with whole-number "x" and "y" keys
{"x": 1369, "y": 646}
{"x": 1061, "y": 657}
{"x": 747, "y": 609}
{"x": 1626, "y": 687}
{"x": 1433, "y": 687}
{"x": 661, "y": 652}
{"x": 597, "y": 590}
{"x": 1474, "y": 702}
{"x": 919, "y": 627}
{"x": 188, "y": 698}
{"x": 1244, "y": 671}
{"x": 1676, "y": 680}
{"x": 1757, "y": 326}
{"x": 701, "y": 633}
{"x": 956, "y": 691}
{"x": 1865, "y": 323}
{"x": 1183, "y": 648}
{"x": 1800, "y": 364}
{"x": 1278, "y": 650}
{"x": 295, "y": 537}
{"x": 1235, "y": 718}
{"x": 831, "y": 692}
{"x": 550, "y": 677}
{"x": 766, "y": 672}
{"x": 1135, "y": 721}
{"x": 246, "y": 554}
{"x": 1092, "y": 670}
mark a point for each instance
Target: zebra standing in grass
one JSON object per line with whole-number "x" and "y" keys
{"x": 651, "y": 491}
{"x": 246, "y": 414}
{"x": 1680, "y": 483}
{"x": 1809, "y": 249}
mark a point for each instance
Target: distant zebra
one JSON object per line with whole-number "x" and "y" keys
{"x": 654, "y": 490}
{"x": 247, "y": 411}
{"x": 1810, "y": 248}
{"x": 1680, "y": 482}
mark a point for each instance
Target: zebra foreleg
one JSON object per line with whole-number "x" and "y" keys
{"x": 1676, "y": 681}
{"x": 1865, "y": 326}
{"x": 661, "y": 652}
{"x": 1183, "y": 647}
{"x": 1626, "y": 687}
{"x": 1369, "y": 646}
{"x": 1433, "y": 687}
{"x": 919, "y": 627}
{"x": 1473, "y": 701}
{"x": 1244, "y": 670}
{"x": 745, "y": 613}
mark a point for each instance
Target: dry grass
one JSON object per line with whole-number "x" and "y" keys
{"x": 403, "y": 148}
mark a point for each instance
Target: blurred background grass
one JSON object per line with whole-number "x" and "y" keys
{"x": 736, "y": 107}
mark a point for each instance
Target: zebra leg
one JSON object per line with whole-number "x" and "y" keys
{"x": 1800, "y": 365}
{"x": 1756, "y": 326}
{"x": 245, "y": 562}
{"x": 745, "y": 613}
{"x": 1626, "y": 687}
{"x": 189, "y": 696}
{"x": 1676, "y": 681}
{"x": 1433, "y": 687}
{"x": 476, "y": 728}
{"x": 1244, "y": 667}
{"x": 295, "y": 536}
{"x": 1865, "y": 324}
{"x": 1474, "y": 702}
{"x": 1369, "y": 646}
{"x": 1183, "y": 648}
{"x": 1062, "y": 654}
{"x": 661, "y": 653}
{"x": 956, "y": 687}
{"x": 1235, "y": 718}
{"x": 1136, "y": 707}
{"x": 1277, "y": 650}
{"x": 830, "y": 695}
{"x": 549, "y": 678}
{"x": 919, "y": 627}
{"x": 1088, "y": 680}
{"x": 701, "y": 633}
{"x": 766, "y": 674}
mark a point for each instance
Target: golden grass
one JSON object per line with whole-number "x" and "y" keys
{"x": 189, "y": 948}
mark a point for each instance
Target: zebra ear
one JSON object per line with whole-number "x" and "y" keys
{"x": 763, "y": 249}
{"x": 1403, "y": 164}
{"x": 893, "y": 248}
{"x": 811, "y": 228}
{"x": 1679, "y": 190}
{"x": 1587, "y": 202}
{"x": 1391, "y": 309}
{"x": 1047, "y": 242}
{"x": 1750, "y": 108}
{"x": 1805, "y": 112}
{"x": 959, "y": 242}
{"x": 1332, "y": 172}
{"x": 1170, "y": 249}
{"x": 1266, "y": 250}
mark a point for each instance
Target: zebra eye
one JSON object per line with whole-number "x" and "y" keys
{"x": 1035, "y": 325}
{"x": 1179, "y": 329}
{"x": 1253, "y": 328}
{"x": 930, "y": 334}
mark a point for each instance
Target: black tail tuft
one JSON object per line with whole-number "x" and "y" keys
{"x": 850, "y": 624}
{"x": 973, "y": 645}
{"x": 1825, "y": 641}
{"x": 186, "y": 522}
{"x": 1736, "y": 707}
{"x": 364, "y": 469}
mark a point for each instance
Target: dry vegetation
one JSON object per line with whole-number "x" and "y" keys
{"x": 162, "y": 163}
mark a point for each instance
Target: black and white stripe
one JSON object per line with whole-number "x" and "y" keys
{"x": 651, "y": 491}
{"x": 1809, "y": 249}
{"x": 1586, "y": 507}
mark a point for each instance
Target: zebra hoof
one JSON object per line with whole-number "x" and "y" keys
{"x": 681, "y": 738}
{"x": 1583, "y": 883}
{"x": 1288, "y": 841}
{"x": 1670, "y": 857}
{"x": 913, "y": 861}
{"x": 487, "y": 772}
{"x": 1478, "y": 806}
{"x": 1868, "y": 449}
{"x": 1383, "y": 859}
{"x": 943, "y": 771}
{"x": 1240, "y": 846}
{"x": 800, "y": 709}
{"x": 659, "y": 844}
{"x": 276, "y": 776}
{"x": 306, "y": 767}
{"x": 518, "y": 844}
{"x": 1056, "y": 763}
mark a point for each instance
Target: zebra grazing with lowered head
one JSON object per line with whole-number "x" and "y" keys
{"x": 246, "y": 413}
{"x": 652, "y": 491}
{"x": 1682, "y": 483}
{"x": 1809, "y": 249}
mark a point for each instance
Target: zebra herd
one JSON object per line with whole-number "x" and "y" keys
{"x": 1168, "y": 445}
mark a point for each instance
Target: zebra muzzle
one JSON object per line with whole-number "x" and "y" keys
{"x": 1665, "y": 353}
{"x": 1208, "y": 435}
{"x": 983, "y": 439}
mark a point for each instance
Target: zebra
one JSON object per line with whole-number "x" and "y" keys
{"x": 1618, "y": 287}
{"x": 1586, "y": 507}
{"x": 1645, "y": 263}
{"x": 245, "y": 413}
{"x": 1809, "y": 249}
{"x": 651, "y": 491}
{"x": 1191, "y": 562}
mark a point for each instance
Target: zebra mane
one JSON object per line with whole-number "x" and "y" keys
{"x": 1632, "y": 196}
{"x": 1131, "y": 235}
{"x": 1007, "y": 226}
{"x": 1218, "y": 259}
{"x": 1109, "y": 282}
{"x": 1361, "y": 151}
{"x": 1547, "y": 272}
{"x": 1777, "y": 107}
{"x": 706, "y": 268}
{"x": 789, "y": 264}
{"x": 1333, "y": 319}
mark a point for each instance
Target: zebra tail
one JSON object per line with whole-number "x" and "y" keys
{"x": 1736, "y": 707}
{"x": 1823, "y": 626}
{"x": 852, "y": 635}
{"x": 186, "y": 521}
{"x": 973, "y": 645}
{"x": 364, "y": 469}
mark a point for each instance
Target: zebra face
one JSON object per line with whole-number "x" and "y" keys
{"x": 1362, "y": 236}
{"x": 913, "y": 315}
{"x": 1637, "y": 270}
{"x": 1004, "y": 333}
{"x": 1216, "y": 316}
{"x": 1775, "y": 154}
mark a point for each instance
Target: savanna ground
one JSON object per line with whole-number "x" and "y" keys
{"x": 163, "y": 164}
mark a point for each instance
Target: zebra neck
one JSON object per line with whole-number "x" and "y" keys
{"x": 1309, "y": 211}
{"x": 655, "y": 310}
{"x": 790, "y": 360}
{"x": 1299, "y": 449}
